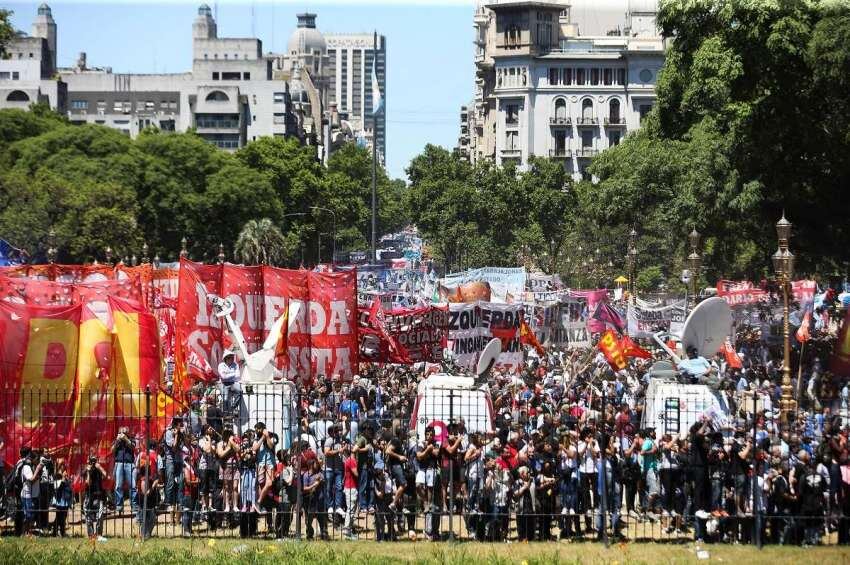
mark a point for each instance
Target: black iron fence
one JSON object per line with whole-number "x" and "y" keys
{"x": 453, "y": 462}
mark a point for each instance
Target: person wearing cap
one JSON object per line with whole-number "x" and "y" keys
{"x": 228, "y": 373}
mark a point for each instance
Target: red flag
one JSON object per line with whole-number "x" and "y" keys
{"x": 631, "y": 349}
{"x": 376, "y": 319}
{"x": 611, "y": 347}
{"x": 731, "y": 355}
{"x": 527, "y": 337}
{"x": 803, "y": 333}
{"x": 505, "y": 335}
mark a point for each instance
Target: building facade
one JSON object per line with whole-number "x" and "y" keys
{"x": 234, "y": 93}
{"x": 545, "y": 89}
{"x": 351, "y": 57}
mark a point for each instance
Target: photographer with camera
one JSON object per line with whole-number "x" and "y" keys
{"x": 94, "y": 506}
{"x": 123, "y": 451}
{"x": 30, "y": 473}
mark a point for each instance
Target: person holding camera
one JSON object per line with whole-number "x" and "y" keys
{"x": 123, "y": 451}
{"x": 30, "y": 472}
{"x": 94, "y": 506}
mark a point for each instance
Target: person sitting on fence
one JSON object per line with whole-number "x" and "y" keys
{"x": 228, "y": 373}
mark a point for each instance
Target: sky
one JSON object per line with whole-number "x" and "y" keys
{"x": 430, "y": 68}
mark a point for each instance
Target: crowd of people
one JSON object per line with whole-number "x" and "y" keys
{"x": 569, "y": 455}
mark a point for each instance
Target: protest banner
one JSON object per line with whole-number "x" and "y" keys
{"x": 645, "y": 319}
{"x": 321, "y": 337}
{"x": 420, "y": 332}
{"x": 472, "y": 326}
{"x": 506, "y": 284}
{"x": 563, "y": 324}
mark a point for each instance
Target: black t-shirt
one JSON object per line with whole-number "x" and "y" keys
{"x": 812, "y": 488}
{"x": 737, "y": 464}
{"x": 215, "y": 419}
{"x": 699, "y": 451}
{"x": 95, "y": 481}
{"x": 778, "y": 489}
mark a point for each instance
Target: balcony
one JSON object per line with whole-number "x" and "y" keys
{"x": 517, "y": 152}
{"x": 560, "y": 121}
{"x": 615, "y": 122}
{"x": 560, "y": 153}
{"x": 585, "y": 122}
{"x": 217, "y": 124}
{"x": 586, "y": 152}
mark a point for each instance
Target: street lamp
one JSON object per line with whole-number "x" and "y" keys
{"x": 695, "y": 262}
{"x": 631, "y": 261}
{"x": 783, "y": 264}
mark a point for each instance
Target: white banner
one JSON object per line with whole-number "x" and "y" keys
{"x": 506, "y": 284}
{"x": 561, "y": 325}
{"x": 472, "y": 326}
{"x": 645, "y": 319}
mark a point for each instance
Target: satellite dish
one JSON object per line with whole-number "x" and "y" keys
{"x": 707, "y": 327}
{"x": 488, "y": 357}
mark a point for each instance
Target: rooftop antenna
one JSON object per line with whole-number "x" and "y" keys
{"x": 215, "y": 10}
{"x": 253, "y": 19}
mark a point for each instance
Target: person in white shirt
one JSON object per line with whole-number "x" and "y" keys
{"x": 228, "y": 372}
{"x": 31, "y": 476}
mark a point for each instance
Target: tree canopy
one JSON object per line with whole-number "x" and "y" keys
{"x": 97, "y": 188}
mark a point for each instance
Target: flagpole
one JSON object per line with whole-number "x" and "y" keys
{"x": 800, "y": 372}
{"x": 374, "y": 154}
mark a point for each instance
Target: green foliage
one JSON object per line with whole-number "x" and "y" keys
{"x": 478, "y": 215}
{"x": 6, "y": 31}
{"x": 97, "y": 188}
{"x": 262, "y": 243}
{"x": 752, "y": 118}
{"x": 648, "y": 279}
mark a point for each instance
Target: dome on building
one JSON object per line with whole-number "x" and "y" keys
{"x": 297, "y": 92}
{"x": 204, "y": 10}
{"x": 306, "y": 39}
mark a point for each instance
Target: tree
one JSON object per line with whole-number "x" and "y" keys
{"x": 261, "y": 242}
{"x": 751, "y": 119}
{"x": 7, "y": 32}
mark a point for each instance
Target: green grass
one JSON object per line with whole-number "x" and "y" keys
{"x": 227, "y": 552}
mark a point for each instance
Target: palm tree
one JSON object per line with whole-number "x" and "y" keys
{"x": 261, "y": 243}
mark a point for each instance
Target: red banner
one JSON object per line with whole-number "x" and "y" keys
{"x": 321, "y": 337}
{"x": 611, "y": 347}
{"x": 740, "y": 293}
{"x": 419, "y": 332}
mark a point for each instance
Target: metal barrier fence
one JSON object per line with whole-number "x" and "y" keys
{"x": 457, "y": 464}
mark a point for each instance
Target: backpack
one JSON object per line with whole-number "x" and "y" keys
{"x": 15, "y": 481}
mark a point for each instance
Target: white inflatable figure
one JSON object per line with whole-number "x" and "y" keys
{"x": 259, "y": 366}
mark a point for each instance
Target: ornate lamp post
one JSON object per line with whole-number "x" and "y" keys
{"x": 51, "y": 246}
{"x": 145, "y": 250}
{"x": 184, "y": 251}
{"x": 631, "y": 260}
{"x": 221, "y": 255}
{"x": 783, "y": 264}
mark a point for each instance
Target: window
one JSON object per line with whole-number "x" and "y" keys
{"x": 544, "y": 30}
{"x": 5, "y": 75}
{"x": 580, "y": 76}
{"x": 217, "y": 96}
{"x": 279, "y": 97}
{"x": 614, "y": 111}
{"x": 140, "y": 105}
{"x": 246, "y": 76}
{"x": 594, "y": 77}
{"x": 163, "y": 104}
{"x": 644, "y": 109}
{"x": 621, "y": 76}
{"x": 587, "y": 139}
{"x": 279, "y": 118}
{"x": 645, "y": 76}
{"x": 118, "y": 106}
{"x": 613, "y": 138}
{"x": 225, "y": 56}
{"x": 512, "y": 36}
{"x": 173, "y": 104}
{"x": 554, "y": 76}
{"x": 18, "y": 96}
{"x": 560, "y": 143}
{"x": 560, "y": 109}
{"x": 128, "y": 107}
{"x": 101, "y": 107}
{"x": 512, "y": 141}
{"x": 608, "y": 77}
{"x": 511, "y": 114}
{"x": 16, "y": 75}
{"x": 230, "y": 76}
{"x": 121, "y": 122}
{"x": 215, "y": 75}
{"x": 150, "y": 105}
{"x": 587, "y": 110}
{"x": 567, "y": 76}
{"x": 79, "y": 104}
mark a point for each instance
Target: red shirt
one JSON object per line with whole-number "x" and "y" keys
{"x": 349, "y": 479}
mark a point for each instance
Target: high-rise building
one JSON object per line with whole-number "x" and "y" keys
{"x": 350, "y": 59}
{"x": 233, "y": 94}
{"x": 550, "y": 84}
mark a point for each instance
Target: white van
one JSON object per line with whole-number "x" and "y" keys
{"x": 272, "y": 404}
{"x": 672, "y": 408}
{"x": 442, "y": 399}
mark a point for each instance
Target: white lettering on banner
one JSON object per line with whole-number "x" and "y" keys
{"x": 274, "y": 307}
{"x": 297, "y": 317}
{"x": 317, "y": 318}
{"x": 338, "y": 324}
{"x": 472, "y": 326}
